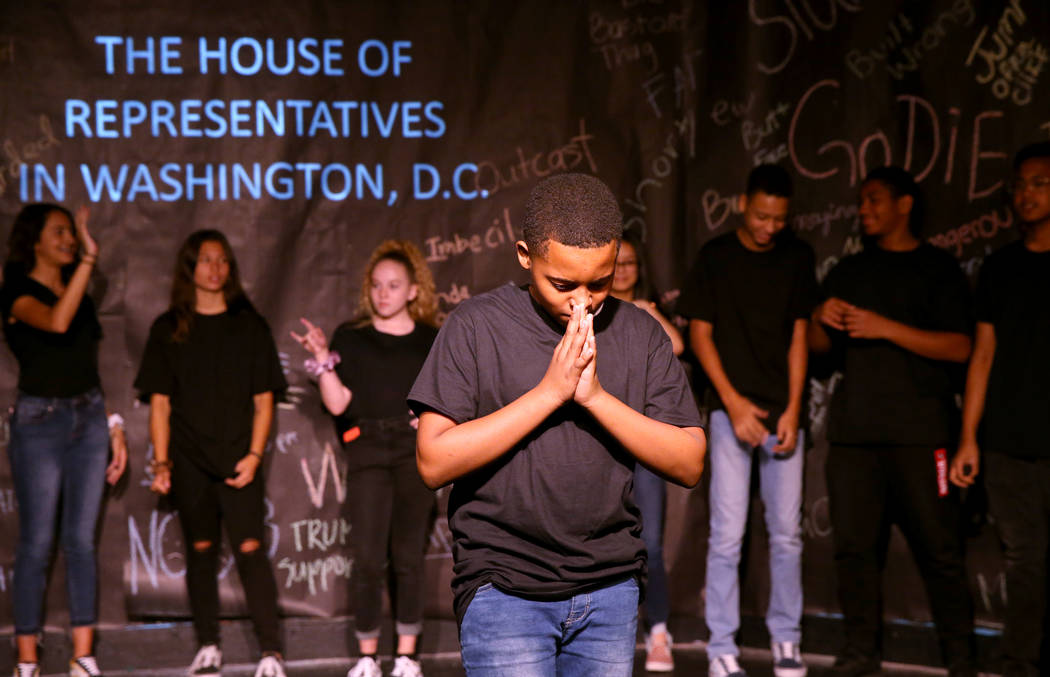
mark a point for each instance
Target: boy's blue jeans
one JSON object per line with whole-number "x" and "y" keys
{"x": 59, "y": 450}
{"x": 591, "y": 634}
{"x": 780, "y": 481}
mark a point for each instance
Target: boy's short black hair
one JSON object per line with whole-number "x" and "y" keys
{"x": 1038, "y": 150}
{"x": 771, "y": 180}
{"x": 900, "y": 183}
{"x": 577, "y": 210}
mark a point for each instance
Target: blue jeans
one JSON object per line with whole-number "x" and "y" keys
{"x": 649, "y": 493}
{"x": 780, "y": 480}
{"x": 59, "y": 451}
{"x": 590, "y": 634}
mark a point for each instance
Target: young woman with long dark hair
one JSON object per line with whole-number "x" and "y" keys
{"x": 364, "y": 380}
{"x": 631, "y": 284}
{"x": 59, "y": 447}
{"x": 210, "y": 371}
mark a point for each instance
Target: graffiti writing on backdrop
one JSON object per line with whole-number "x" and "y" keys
{"x": 1012, "y": 67}
{"x": 317, "y": 536}
{"x": 329, "y": 468}
{"x": 984, "y": 227}
{"x": 793, "y": 23}
{"x": 17, "y": 153}
{"x": 919, "y": 115}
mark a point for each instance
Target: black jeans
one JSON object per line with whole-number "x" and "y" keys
{"x": 390, "y": 511}
{"x": 1019, "y": 500}
{"x": 203, "y": 501}
{"x": 871, "y": 487}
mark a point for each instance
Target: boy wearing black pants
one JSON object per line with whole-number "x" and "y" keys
{"x": 897, "y": 316}
{"x": 1007, "y": 390}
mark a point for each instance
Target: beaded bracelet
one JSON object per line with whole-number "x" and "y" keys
{"x": 315, "y": 368}
{"x": 155, "y": 466}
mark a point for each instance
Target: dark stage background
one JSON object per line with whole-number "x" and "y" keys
{"x": 311, "y": 131}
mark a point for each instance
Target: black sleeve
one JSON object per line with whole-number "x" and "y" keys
{"x": 952, "y": 309}
{"x": 267, "y": 374}
{"x": 984, "y": 300}
{"x": 696, "y": 300}
{"x": 343, "y": 343}
{"x": 156, "y": 374}
{"x": 668, "y": 397}
{"x": 448, "y": 381}
{"x": 12, "y": 290}
{"x": 806, "y": 295}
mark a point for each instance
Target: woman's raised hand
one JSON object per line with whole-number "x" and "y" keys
{"x": 88, "y": 246}
{"x": 313, "y": 340}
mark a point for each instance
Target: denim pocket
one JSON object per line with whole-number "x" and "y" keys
{"x": 33, "y": 411}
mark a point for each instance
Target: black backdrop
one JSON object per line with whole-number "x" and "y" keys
{"x": 309, "y": 132}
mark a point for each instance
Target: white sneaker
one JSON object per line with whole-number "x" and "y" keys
{"x": 406, "y": 667}
{"x": 787, "y": 660}
{"x": 366, "y": 666}
{"x": 27, "y": 670}
{"x": 725, "y": 665}
{"x": 270, "y": 666}
{"x": 208, "y": 661}
{"x": 85, "y": 666}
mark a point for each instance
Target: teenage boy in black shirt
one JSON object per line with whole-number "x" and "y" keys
{"x": 1007, "y": 391}
{"x": 547, "y": 547}
{"x": 897, "y": 316}
{"x": 749, "y": 298}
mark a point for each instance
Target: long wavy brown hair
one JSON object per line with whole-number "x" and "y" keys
{"x": 423, "y": 308}
{"x": 184, "y": 291}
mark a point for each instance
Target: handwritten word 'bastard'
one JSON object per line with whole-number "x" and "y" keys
{"x": 900, "y": 57}
{"x": 921, "y": 121}
{"x": 797, "y": 22}
{"x": 1012, "y": 68}
{"x": 530, "y": 164}
{"x": 603, "y": 30}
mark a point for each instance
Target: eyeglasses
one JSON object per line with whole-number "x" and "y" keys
{"x": 1037, "y": 183}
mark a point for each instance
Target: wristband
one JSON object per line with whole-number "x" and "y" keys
{"x": 115, "y": 421}
{"x": 156, "y": 466}
{"x": 256, "y": 454}
{"x": 316, "y": 368}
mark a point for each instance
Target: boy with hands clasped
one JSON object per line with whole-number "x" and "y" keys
{"x": 537, "y": 401}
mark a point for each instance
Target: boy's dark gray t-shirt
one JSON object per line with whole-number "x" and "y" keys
{"x": 555, "y": 515}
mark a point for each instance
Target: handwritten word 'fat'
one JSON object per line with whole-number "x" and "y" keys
{"x": 316, "y": 572}
{"x": 921, "y": 121}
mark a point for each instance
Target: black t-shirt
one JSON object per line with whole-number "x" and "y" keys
{"x": 211, "y": 378}
{"x": 752, "y": 300}
{"x": 51, "y": 364}
{"x": 1013, "y": 294}
{"x": 380, "y": 368}
{"x": 890, "y": 395}
{"x": 555, "y": 515}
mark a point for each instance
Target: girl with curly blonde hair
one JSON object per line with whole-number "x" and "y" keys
{"x": 364, "y": 378}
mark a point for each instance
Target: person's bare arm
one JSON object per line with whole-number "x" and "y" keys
{"x": 160, "y": 436}
{"x": 797, "y": 358}
{"x": 949, "y": 346}
{"x": 967, "y": 462}
{"x": 261, "y": 420}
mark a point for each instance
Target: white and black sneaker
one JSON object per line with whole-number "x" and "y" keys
{"x": 725, "y": 665}
{"x": 208, "y": 661}
{"x": 787, "y": 660}
{"x": 27, "y": 670}
{"x": 85, "y": 666}
{"x": 405, "y": 666}
{"x": 271, "y": 665}
{"x": 366, "y": 666}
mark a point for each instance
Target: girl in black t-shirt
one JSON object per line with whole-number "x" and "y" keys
{"x": 631, "y": 284}
{"x": 210, "y": 370}
{"x": 364, "y": 381}
{"x": 59, "y": 447}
